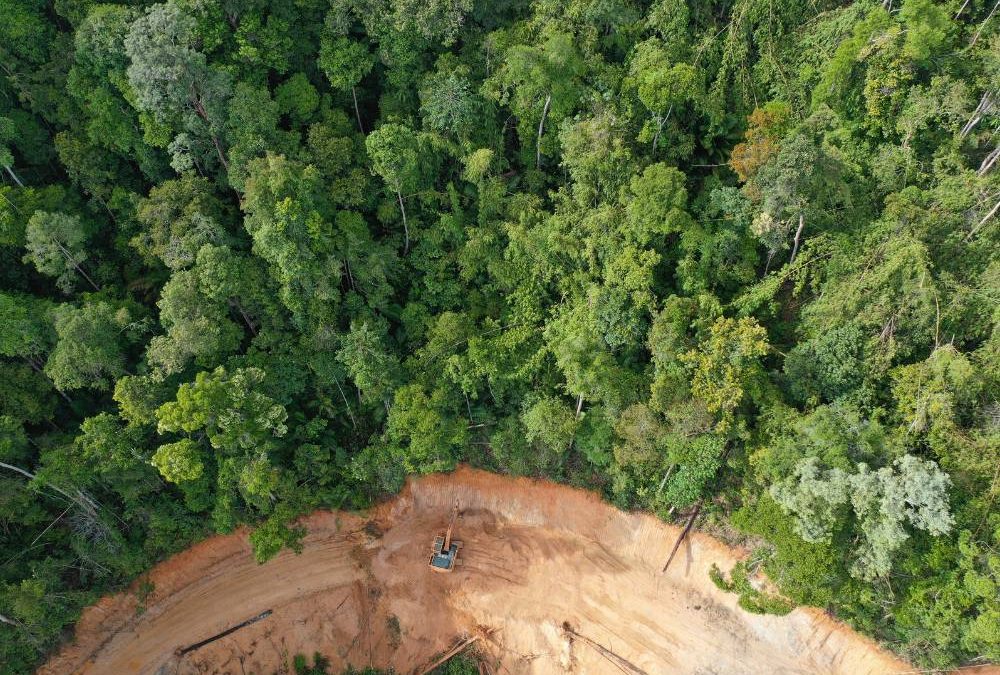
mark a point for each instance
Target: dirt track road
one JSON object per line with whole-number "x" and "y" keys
{"x": 536, "y": 555}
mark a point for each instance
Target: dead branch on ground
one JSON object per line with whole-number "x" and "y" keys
{"x": 623, "y": 664}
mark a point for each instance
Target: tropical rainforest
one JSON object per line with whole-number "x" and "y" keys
{"x": 259, "y": 257}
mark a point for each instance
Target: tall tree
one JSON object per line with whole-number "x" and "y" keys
{"x": 90, "y": 346}
{"x": 174, "y": 83}
{"x": 395, "y": 156}
{"x": 288, "y": 216}
{"x": 540, "y": 82}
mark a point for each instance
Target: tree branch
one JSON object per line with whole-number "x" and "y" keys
{"x": 75, "y": 264}
{"x": 406, "y": 228}
{"x": 14, "y": 176}
{"x": 983, "y": 24}
{"x": 541, "y": 128}
{"x": 357, "y": 111}
{"x": 798, "y": 235}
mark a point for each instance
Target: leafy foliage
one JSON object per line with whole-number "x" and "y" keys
{"x": 752, "y": 599}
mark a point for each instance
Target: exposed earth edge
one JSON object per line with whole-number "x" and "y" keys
{"x": 536, "y": 556}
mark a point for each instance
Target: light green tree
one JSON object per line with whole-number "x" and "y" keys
{"x": 228, "y": 407}
{"x": 56, "y": 245}
{"x": 912, "y": 490}
{"x": 198, "y": 328}
{"x": 370, "y": 362}
{"x": 549, "y": 424}
{"x": 173, "y": 82}
{"x": 539, "y": 81}
{"x": 180, "y": 461}
{"x": 727, "y": 366}
{"x": 90, "y": 346}
{"x": 664, "y": 87}
{"x": 288, "y": 216}
{"x": 179, "y": 217}
{"x": 432, "y": 435}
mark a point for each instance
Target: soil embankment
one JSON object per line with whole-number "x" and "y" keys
{"x": 536, "y": 555}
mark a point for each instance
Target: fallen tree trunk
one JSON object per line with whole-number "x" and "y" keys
{"x": 448, "y": 655}
{"x": 229, "y": 631}
{"x": 683, "y": 535}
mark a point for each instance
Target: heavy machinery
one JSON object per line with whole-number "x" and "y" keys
{"x": 444, "y": 552}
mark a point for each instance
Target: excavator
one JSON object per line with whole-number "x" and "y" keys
{"x": 444, "y": 552}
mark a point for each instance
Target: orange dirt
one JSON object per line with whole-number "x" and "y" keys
{"x": 536, "y": 555}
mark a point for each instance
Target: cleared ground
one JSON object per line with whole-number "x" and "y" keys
{"x": 536, "y": 556}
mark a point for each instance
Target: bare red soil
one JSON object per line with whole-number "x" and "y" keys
{"x": 537, "y": 555}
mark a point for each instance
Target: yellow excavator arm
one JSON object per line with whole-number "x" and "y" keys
{"x": 451, "y": 526}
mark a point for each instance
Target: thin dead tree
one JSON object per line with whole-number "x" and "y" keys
{"x": 9, "y": 622}
{"x": 78, "y": 497}
{"x": 32, "y": 638}
{"x": 989, "y": 161}
{"x": 986, "y": 219}
{"x": 357, "y": 110}
{"x": 983, "y": 24}
{"x": 406, "y": 227}
{"x": 75, "y": 263}
{"x": 985, "y": 107}
{"x": 798, "y": 237}
{"x": 86, "y": 521}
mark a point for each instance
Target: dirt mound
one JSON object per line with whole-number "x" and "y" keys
{"x": 537, "y": 556}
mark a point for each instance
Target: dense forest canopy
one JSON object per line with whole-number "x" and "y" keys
{"x": 262, "y": 256}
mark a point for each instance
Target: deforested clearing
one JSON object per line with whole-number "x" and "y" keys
{"x": 537, "y": 556}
